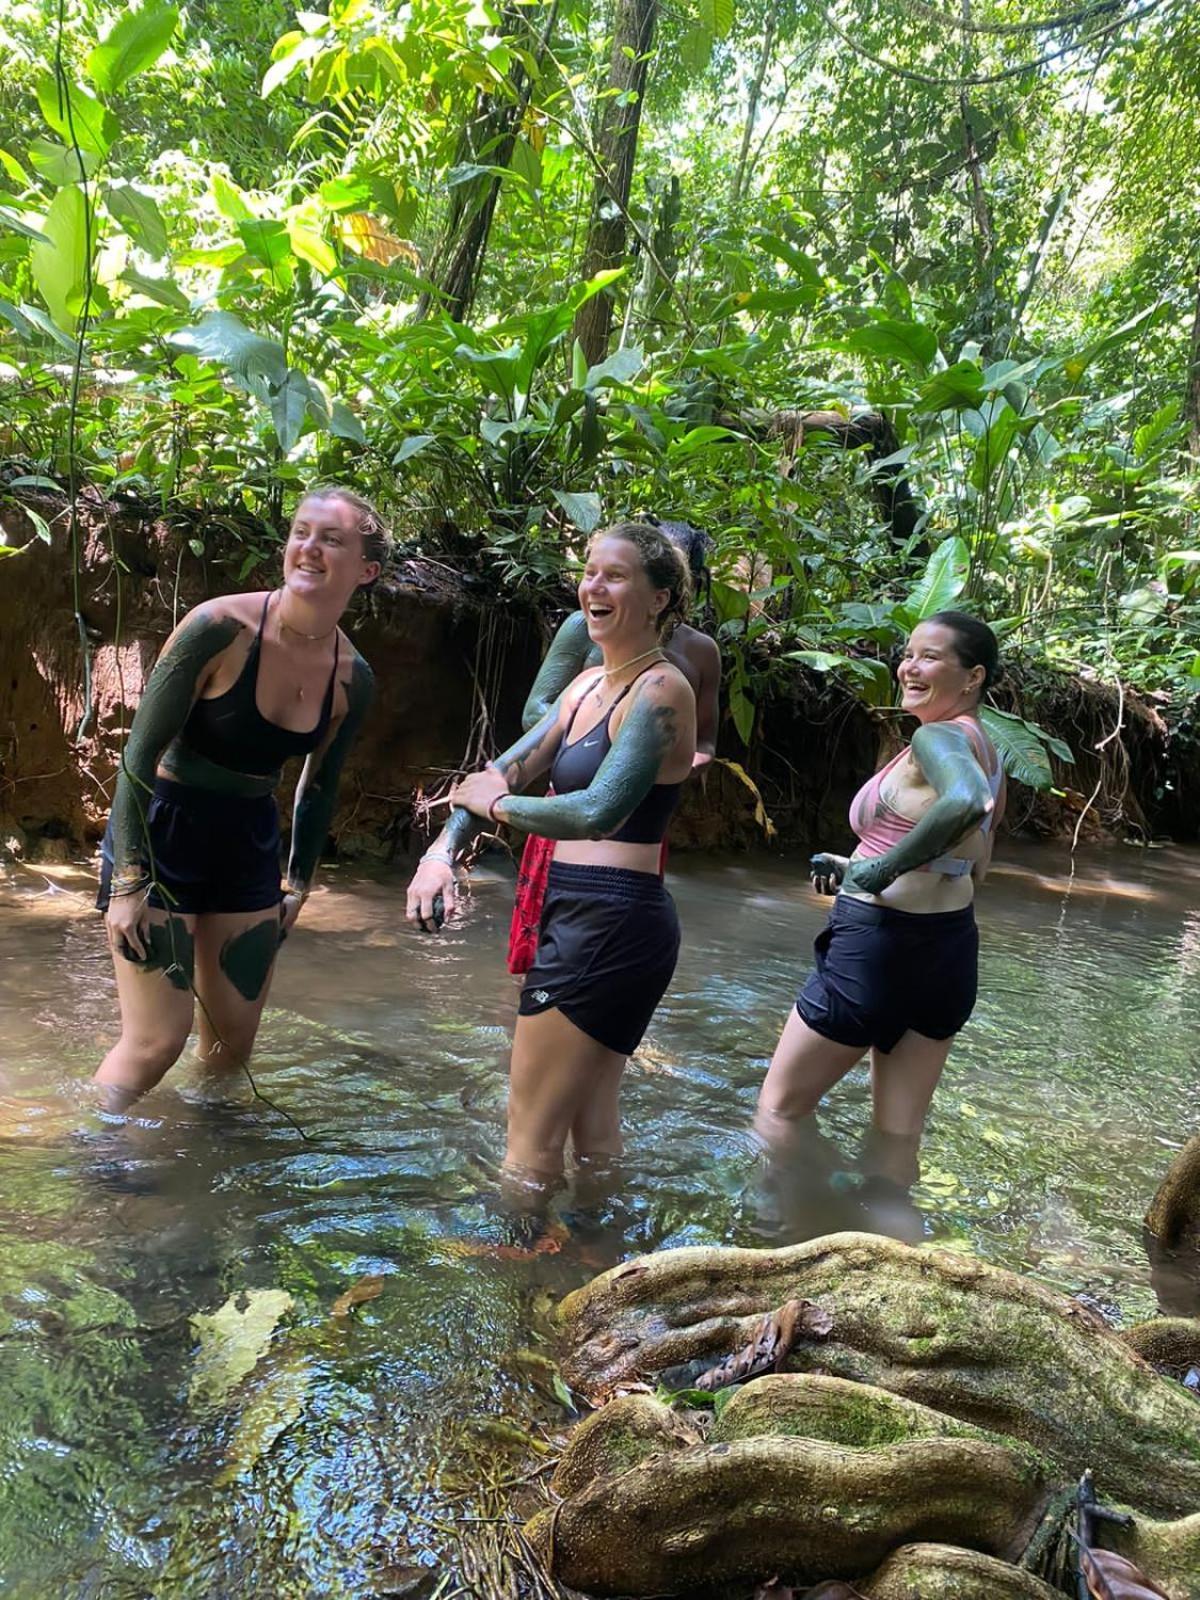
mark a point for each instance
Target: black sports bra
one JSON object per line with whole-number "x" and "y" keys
{"x": 230, "y": 729}
{"x": 576, "y": 765}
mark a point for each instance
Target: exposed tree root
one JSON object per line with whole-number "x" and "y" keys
{"x": 729, "y": 1513}
{"x": 1174, "y": 1214}
{"x": 944, "y": 1572}
{"x": 966, "y": 1339}
{"x": 1170, "y": 1344}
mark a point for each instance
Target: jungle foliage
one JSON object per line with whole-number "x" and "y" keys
{"x": 241, "y": 246}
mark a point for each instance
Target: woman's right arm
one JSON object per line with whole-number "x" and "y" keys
{"x": 178, "y": 675}
{"x": 565, "y": 660}
{"x": 431, "y": 894}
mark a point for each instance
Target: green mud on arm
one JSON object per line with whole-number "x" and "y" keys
{"x": 624, "y": 779}
{"x": 570, "y": 651}
{"x": 316, "y": 793}
{"x": 521, "y": 763}
{"x": 165, "y": 703}
{"x": 945, "y": 756}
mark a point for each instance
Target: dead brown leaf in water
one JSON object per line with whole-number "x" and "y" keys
{"x": 771, "y": 1344}
{"x": 1111, "y": 1577}
{"x": 368, "y": 1288}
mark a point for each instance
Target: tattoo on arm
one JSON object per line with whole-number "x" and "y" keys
{"x": 166, "y": 701}
{"x": 316, "y": 793}
{"x": 523, "y": 761}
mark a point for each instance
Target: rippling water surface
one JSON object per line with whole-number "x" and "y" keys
{"x": 303, "y": 1445}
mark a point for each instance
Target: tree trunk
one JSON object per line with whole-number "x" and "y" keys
{"x": 1191, "y": 409}
{"x": 616, "y": 150}
{"x": 760, "y": 72}
{"x": 489, "y": 138}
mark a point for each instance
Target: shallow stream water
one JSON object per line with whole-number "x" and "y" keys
{"x": 303, "y": 1445}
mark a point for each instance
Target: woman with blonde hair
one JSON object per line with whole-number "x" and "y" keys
{"x": 618, "y": 744}
{"x": 190, "y": 886}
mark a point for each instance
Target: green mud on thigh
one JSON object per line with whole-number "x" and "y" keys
{"x": 246, "y": 959}
{"x": 169, "y": 950}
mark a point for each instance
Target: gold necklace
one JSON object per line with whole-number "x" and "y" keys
{"x": 655, "y": 649}
{"x": 299, "y": 632}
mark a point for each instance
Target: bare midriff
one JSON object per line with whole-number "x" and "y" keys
{"x": 608, "y": 853}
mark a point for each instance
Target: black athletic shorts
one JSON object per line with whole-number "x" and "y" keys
{"x": 212, "y": 852}
{"x": 880, "y": 972}
{"x": 607, "y": 946}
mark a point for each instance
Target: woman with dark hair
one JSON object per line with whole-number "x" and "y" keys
{"x": 617, "y": 745}
{"x": 571, "y": 649}
{"x": 896, "y": 966}
{"x": 190, "y": 885}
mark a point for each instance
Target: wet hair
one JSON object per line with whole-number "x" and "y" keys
{"x": 694, "y": 545}
{"x": 372, "y": 530}
{"x": 974, "y": 643}
{"x": 663, "y": 563}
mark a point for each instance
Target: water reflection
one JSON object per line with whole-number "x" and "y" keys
{"x": 356, "y": 1440}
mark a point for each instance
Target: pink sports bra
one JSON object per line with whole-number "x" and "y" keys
{"x": 879, "y": 825}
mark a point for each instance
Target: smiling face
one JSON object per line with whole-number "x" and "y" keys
{"x": 615, "y": 594}
{"x": 934, "y": 683}
{"x": 323, "y": 558}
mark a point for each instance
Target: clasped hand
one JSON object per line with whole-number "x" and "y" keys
{"x": 479, "y": 791}
{"x": 829, "y": 873}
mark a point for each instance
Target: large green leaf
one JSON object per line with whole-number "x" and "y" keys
{"x": 954, "y": 389}
{"x": 1023, "y": 746}
{"x": 889, "y": 339}
{"x": 60, "y": 262}
{"x": 716, "y": 16}
{"x": 267, "y": 241}
{"x": 622, "y": 366}
{"x": 137, "y": 212}
{"x": 133, "y": 43}
{"x": 871, "y": 678}
{"x": 289, "y": 404}
{"x": 584, "y": 510}
{"x": 343, "y": 424}
{"x": 1002, "y": 425}
{"x": 940, "y": 585}
{"x": 162, "y": 290}
{"x": 224, "y": 339}
{"x": 76, "y": 116}
{"x": 58, "y": 164}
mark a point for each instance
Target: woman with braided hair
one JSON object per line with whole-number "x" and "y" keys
{"x": 571, "y": 649}
{"x": 618, "y": 745}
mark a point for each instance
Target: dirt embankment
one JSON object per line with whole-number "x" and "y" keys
{"x": 82, "y": 622}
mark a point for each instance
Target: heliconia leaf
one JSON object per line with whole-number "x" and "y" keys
{"x": 942, "y": 582}
{"x": 133, "y": 43}
{"x": 59, "y": 263}
{"x": 138, "y": 214}
{"x": 583, "y": 509}
{"x": 76, "y": 116}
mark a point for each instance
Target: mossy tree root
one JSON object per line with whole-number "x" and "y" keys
{"x": 1174, "y": 1214}
{"x": 972, "y": 1341}
{"x": 727, "y": 1513}
{"x": 1172, "y": 1344}
{"x": 946, "y": 1572}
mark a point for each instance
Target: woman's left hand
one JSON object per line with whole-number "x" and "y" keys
{"x": 479, "y": 792}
